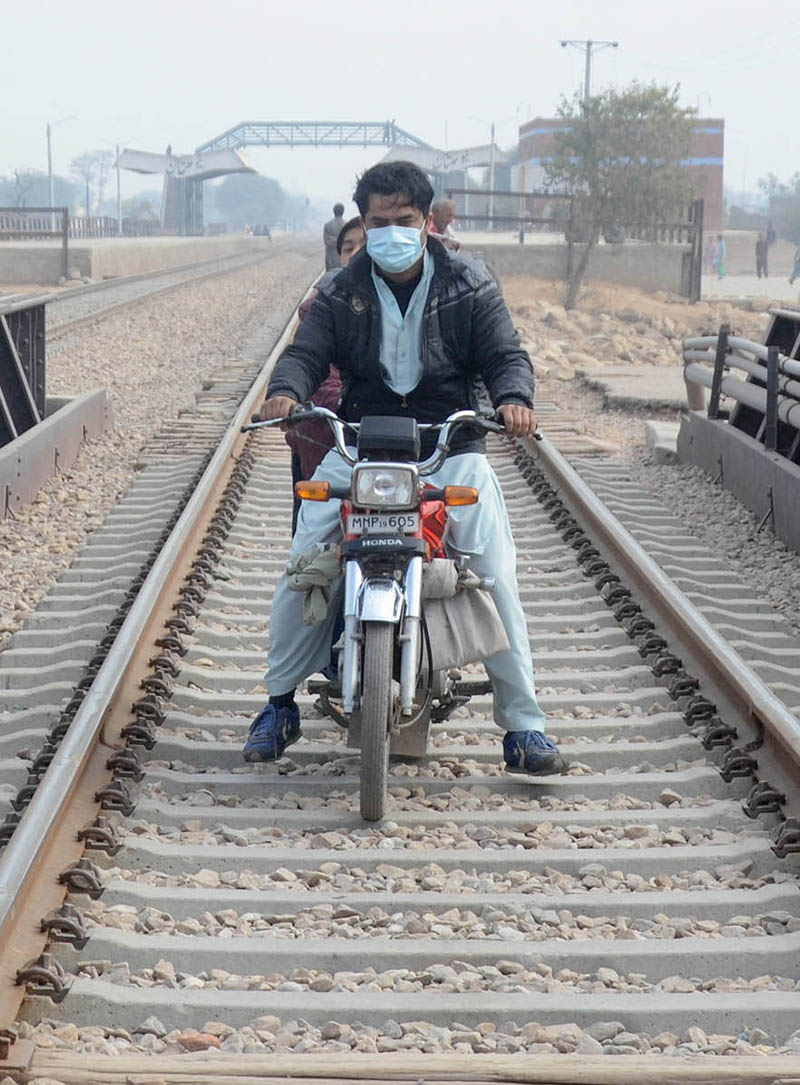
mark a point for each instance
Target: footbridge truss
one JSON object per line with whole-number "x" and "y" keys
{"x": 313, "y": 134}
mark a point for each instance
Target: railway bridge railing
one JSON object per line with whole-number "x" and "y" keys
{"x": 749, "y": 435}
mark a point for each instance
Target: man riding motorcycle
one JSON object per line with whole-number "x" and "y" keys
{"x": 411, "y": 327}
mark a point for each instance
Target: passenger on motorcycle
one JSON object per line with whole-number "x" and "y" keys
{"x": 411, "y": 327}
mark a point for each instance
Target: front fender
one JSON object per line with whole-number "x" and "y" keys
{"x": 380, "y": 600}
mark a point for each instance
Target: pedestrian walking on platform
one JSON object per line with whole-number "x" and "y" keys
{"x": 330, "y": 235}
{"x": 720, "y": 253}
{"x": 762, "y": 250}
{"x": 709, "y": 255}
{"x": 796, "y": 269}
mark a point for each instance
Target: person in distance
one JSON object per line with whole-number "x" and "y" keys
{"x": 443, "y": 214}
{"x": 330, "y": 235}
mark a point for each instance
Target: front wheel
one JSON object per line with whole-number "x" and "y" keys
{"x": 376, "y": 715}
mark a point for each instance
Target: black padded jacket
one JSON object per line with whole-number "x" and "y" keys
{"x": 467, "y": 335}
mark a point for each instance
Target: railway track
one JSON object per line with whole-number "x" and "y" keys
{"x": 643, "y": 905}
{"x": 74, "y": 309}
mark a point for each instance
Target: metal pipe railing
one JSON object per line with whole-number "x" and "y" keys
{"x": 751, "y": 395}
{"x": 771, "y": 388}
{"x": 786, "y": 385}
{"x": 707, "y": 344}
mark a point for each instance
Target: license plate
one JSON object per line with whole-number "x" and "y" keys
{"x": 382, "y": 523}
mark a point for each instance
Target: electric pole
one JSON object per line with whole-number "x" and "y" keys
{"x": 491, "y": 178}
{"x": 587, "y": 45}
{"x": 119, "y": 198}
{"x": 50, "y": 164}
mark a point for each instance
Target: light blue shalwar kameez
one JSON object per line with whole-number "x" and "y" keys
{"x": 482, "y": 531}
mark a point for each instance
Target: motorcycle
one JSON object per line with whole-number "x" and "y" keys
{"x": 409, "y": 609}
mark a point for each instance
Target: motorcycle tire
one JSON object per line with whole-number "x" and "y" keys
{"x": 376, "y": 713}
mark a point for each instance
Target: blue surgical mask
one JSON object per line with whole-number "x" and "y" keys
{"x": 395, "y": 248}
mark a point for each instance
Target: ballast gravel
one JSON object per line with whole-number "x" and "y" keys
{"x": 393, "y": 837}
{"x": 456, "y": 799}
{"x": 151, "y": 359}
{"x": 268, "y": 1034}
{"x": 429, "y": 877}
{"x": 728, "y": 530}
{"x": 459, "y": 977}
{"x": 343, "y": 921}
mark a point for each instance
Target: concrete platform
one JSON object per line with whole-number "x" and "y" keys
{"x": 646, "y": 386}
{"x": 776, "y": 288}
{"x": 40, "y": 262}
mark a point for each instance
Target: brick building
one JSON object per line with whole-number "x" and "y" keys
{"x": 705, "y": 160}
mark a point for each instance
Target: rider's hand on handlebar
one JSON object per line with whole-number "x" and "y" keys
{"x": 519, "y": 421}
{"x": 277, "y": 407}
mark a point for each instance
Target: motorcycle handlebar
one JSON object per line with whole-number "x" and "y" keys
{"x": 309, "y": 413}
{"x": 298, "y": 415}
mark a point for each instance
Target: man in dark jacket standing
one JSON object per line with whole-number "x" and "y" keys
{"x": 330, "y": 234}
{"x": 411, "y": 327}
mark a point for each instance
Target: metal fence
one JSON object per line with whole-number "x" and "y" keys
{"x": 549, "y": 209}
{"x": 43, "y": 223}
{"x": 552, "y": 210}
{"x": 33, "y": 223}
{"x": 56, "y": 224}
{"x": 106, "y": 226}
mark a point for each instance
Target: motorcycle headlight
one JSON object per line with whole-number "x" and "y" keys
{"x": 384, "y": 486}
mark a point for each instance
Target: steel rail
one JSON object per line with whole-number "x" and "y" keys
{"x": 55, "y": 298}
{"x": 726, "y": 669}
{"x": 21, "y": 859}
{"x": 57, "y": 330}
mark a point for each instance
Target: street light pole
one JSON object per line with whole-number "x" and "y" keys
{"x": 50, "y": 128}
{"x": 587, "y": 45}
{"x": 119, "y": 198}
{"x": 491, "y": 179}
{"x": 492, "y": 126}
{"x": 50, "y": 165}
{"x": 587, "y": 74}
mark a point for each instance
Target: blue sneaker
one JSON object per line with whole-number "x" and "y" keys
{"x": 532, "y": 752}
{"x": 271, "y": 732}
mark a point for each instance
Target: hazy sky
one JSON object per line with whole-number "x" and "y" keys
{"x": 152, "y": 72}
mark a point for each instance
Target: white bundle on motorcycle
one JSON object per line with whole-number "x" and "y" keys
{"x": 314, "y": 573}
{"x": 461, "y": 617}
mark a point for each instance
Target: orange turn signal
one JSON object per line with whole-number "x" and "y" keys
{"x": 313, "y": 491}
{"x": 460, "y": 495}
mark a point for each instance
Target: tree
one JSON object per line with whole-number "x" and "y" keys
{"x": 24, "y": 181}
{"x": 142, "y": 207}
{"x": 250, "y": 198}
{"x": 92, "y": 168}
{"x": 784, "y": 204}
{"x": 621, "y": 153}
{"x": 84, "y": 168}
{"x": 37, "y": 190}
{"x": 103, "y": 160}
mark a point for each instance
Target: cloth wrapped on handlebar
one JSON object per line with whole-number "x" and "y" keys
{"x": 462, "y": 620}
{"x": 313, "y": 573}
